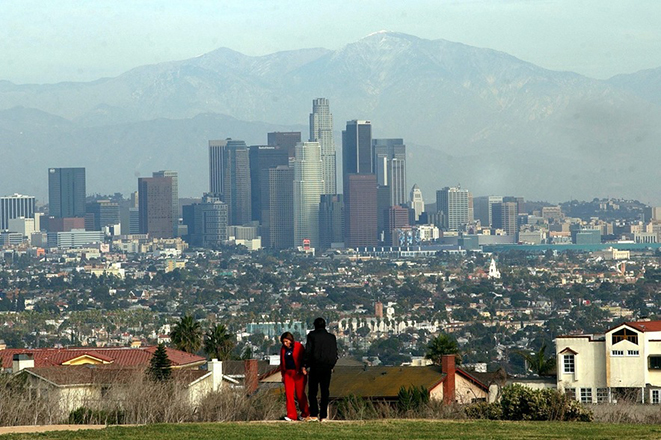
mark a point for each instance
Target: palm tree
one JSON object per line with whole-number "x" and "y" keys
{"x": 187, "y": 335}
{"x": 442, "y": 345}
{"x": 538, "y": 363}
{"x": 219, "y": 342}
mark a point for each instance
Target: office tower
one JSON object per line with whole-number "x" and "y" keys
{"x": 281, "y": 207}
{"x": 66, "y": 192}
{"x": 396, "y": 217}
{"x": 331, "y": 220}
{"x": 155, "y": 206}
{"x": 216, "y": 167}
{"x": 383, "y": 200}
{"x": 175, "y": 197}
{"x": 389, "y": 165}
{"x": 357, "y": 148}
{"x": 286, "y": 140}
{"x": 505, "y": 217}
{"x": 360, "y": 211}
{"x": 236, "y": 176}
{"x": 520, "y": 203}
{"x": 417, "y": 203}
{"x": 100, "y": 213}
{"x": 321, "y": 130}
{"x": 15, "y": 206}
{"x": 262, "y": 158}
{"x": 483, "y": 209}
{"x": 206, "y": 222}
{"x": 455, "y": 203}
{"x": 308, "y": 185}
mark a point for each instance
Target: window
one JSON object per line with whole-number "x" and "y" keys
{"x": 602, "y": 395}
{"x": 633, "y": 353}
{"x": 617, "y": 353}
{"x": 625, "y": 335}
{"x": 586, "y": 395}
{"x": 655, "y": 363}
{"x": 568, "y": 363}
{"x": 571, "y": 393}
{"x": 656, "y": 397}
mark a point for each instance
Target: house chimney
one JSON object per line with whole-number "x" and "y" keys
{"x": 251, "y": 378}
{"x": 216, "y": 368}
{"x": 448, "y": 367}
{"x": 21, "y": 361}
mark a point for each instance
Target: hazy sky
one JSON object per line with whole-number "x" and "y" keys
{"x": 76, "y": 40}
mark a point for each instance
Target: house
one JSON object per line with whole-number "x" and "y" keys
{"x": 119, "y": 356}
{"x": 447, "y": 383}
{"x": 624, "y": 363}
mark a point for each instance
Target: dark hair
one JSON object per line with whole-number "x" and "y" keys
{"x": 319, "y": 323}
{"x": 287, "y": 335}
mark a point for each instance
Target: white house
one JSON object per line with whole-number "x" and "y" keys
{"x": 622, "y": 364}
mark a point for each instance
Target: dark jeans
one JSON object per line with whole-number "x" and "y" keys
{"x": 319, "y": 378}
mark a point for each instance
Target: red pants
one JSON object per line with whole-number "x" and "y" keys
{"x": 295, "y": 388}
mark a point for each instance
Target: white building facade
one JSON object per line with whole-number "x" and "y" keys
{"x": 308, "y": 187}
{"x": 624, "y": 364}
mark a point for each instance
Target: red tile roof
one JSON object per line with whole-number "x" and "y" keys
{"x": 645, "y": 326}
{"x": 122, "y": 356}
{"x": 104, "y": 374}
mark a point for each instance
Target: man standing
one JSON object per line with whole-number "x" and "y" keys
{"x": 320, "y": 358}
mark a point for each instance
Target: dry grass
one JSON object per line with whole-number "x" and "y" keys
{"x": 627, "y": 413}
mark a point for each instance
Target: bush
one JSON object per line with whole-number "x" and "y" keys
{"x": 523, "y": 403}
{"x": 85, "y": 416}
{"x": 412, "y": 398}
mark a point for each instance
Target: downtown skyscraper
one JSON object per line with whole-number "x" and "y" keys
{"x": 389, "y": 164}
{"x": 66, "y": 192}
{"x": 321, "y": 130}
{"x": 236, "y": 177}
{"x": 155, "y": 206}
{"x": 216, "y": 167}
{"x": 175, "y": 197}
{"x": 308, "y": 185}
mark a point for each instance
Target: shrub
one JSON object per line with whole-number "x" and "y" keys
{"x": 523, "y": 403}
{"x": 412, "y": 398}
{"x": 84, "y": 416}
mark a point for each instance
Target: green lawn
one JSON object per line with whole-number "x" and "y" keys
{"x": 372, "y": 430}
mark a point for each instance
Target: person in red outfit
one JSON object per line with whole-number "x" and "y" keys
{"x": 294, "y": 376}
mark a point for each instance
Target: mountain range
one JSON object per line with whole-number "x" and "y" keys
{"x": 471, "y": 116}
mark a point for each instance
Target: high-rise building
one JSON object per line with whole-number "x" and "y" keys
{"x": 456, "y": 205}
{"x": 389, "y": 165}
{"x": 206, "y": 222}
{"x": 357, "y": 149}
{"x": 505, "y": 217}
{"x": 383, "y": 200}
{"x": 331, "y": 220}
{"x": 286, "y": 140}
{"x": 100, "y": 213}
{"x": 321, "y": 130}
{"x": 396, "y": 217}
{"x": 262, "y": 158}
{"x": 417, "y": 203}
{"x": 281, "y": 207}
{"x": 66, "y": 192}
{"x": 236, "y": 175}
{"x": 175, "y": 197}
{"x": 216, "y": 167}
{"x": 483, "y": 209}
{"x": 520, "y": 203}
{"x": 308, "y": 185}
{"x": 360, "y": 211}
{"x": 155, "y": 206}
{"x": 15, "y": 206}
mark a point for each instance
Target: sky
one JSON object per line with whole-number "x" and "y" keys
{"x": 75, "y": 40}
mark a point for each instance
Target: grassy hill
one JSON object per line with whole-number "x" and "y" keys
{"x": 382, "y": 430}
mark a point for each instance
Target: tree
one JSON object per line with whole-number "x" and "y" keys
{"x": 187, "y": 335}
{"x": 219, "y": 342}
{"x": 442, "y": 345}
{"x": 160, "y": 366}
{"x": 538, "y": 363}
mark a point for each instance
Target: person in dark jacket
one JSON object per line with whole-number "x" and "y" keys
{"x": 292, "y": 355}
{"x": 320, "y": 358}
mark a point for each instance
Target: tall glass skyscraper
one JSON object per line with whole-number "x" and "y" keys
{"x": 175, "y": 197}
{"x": 308, "y": 185}
{"x": 66, "y": 192}
{"x": 236, "y": 175}
{"x": 216, "y": 153}
{"x": 321, "y": 130}
{"x": 389, "y": 164}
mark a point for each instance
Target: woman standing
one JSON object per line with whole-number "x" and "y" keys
{"x": 293, "y": 376}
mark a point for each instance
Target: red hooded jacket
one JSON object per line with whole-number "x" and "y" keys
{"x": 298, "y": 354}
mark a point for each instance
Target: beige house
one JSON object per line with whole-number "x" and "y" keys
{"x": 622, "y": 364}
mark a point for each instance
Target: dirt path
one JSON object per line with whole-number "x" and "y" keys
{"x": 45, "y": 428}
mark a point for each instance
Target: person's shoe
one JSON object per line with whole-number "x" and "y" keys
{"x": 312, "y": 419}
{"x": 322, "y": 420}
{"x": 303, "y": 419}
{"x": 287, "y": 419}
